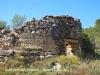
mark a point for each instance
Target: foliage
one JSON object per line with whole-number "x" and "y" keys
{"x": 92, "y": 34}
{"x": 67, "y": 60}
{"x": 97, "y": 23}
{"x": 4, "y": 24}
{"x": 91, "y": 68}
{"x": 13, "y": 63}
{"x": 87, "y": 45}
{"x": 17, "y": 57}
{"x": 2, "y": 68}
{"x": 18, "y": 20}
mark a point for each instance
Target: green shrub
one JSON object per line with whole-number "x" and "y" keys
{"x": 2, "y": 69}
{"x": 68, "y": 60}
{"x": 18, "y": 57}
{"x": 13, "y": 63}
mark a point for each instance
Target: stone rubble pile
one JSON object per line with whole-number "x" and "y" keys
{"x": 8, "y": 42}
{"x": 8, "y": 37}
{"x": 49, "y": 32}
{"x": 45, "y": 35}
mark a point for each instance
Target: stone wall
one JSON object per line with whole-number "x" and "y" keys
{"x": 45, "y": 35}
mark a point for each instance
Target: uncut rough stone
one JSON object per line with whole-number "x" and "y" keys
{"x": 48, "y": 33}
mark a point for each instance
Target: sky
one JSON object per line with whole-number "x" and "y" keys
{"x": 86, "y": 10}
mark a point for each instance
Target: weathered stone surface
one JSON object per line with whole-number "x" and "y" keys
{"x": 4, "y": 31}
{"x": 50, "y": 32}
{"x": 44, "y": 35}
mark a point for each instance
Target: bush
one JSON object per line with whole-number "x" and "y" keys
{"x": 13, "y": 63}
{"x": 64, "y": 60}
{"x": 18, "y": 57}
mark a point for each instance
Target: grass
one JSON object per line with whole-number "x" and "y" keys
{"x": 70, "y": 66}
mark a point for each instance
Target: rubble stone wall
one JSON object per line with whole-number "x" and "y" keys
{"x": 44, "y": 35}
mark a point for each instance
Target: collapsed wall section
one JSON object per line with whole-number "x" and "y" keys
{"x": 49, "y": 33}
{"x": 46, "y": 35}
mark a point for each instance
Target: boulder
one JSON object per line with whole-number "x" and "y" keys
{"x": 4, "y": 31}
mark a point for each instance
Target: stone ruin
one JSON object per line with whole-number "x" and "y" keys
{"x": 51, "y": 35}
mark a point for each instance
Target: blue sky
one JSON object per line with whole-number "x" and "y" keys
{"x": 86, "y": 10}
